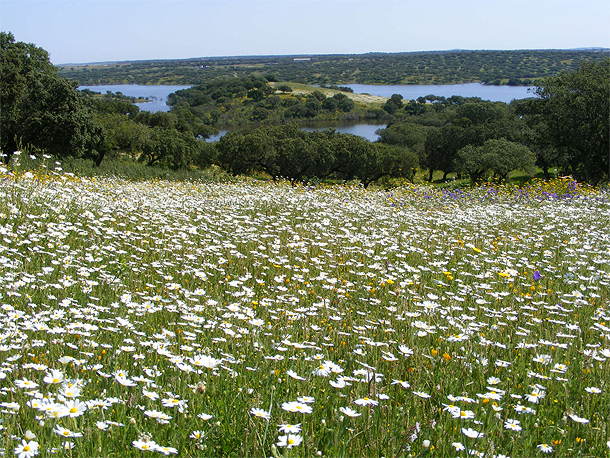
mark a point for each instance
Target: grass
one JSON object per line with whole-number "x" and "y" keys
{"x": 374, "y": 101}
{"x": 516, "y": 177}
{"x": 173, "y": 310}
{"x": 118, "y": 166}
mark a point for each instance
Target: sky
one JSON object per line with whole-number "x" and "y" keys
{"x": 86, "y": 31}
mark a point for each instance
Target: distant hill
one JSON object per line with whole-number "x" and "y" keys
{"x": 521, "y": 67}
{"x": 589, "y": 49}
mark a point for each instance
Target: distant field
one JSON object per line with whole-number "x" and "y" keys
{"x": 525, "y": 67}
{"x": 299, "y": 88}
{"x": 261, "y": 319}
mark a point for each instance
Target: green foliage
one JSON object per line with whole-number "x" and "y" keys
{"x": 125, "y": 167}
{"x": 53, "y": 117}
{"x": 40, "y": 108}
{"x": 567, "y": 126}
{"x": 107, "y": 105}
{"x": 239, "y": 102}
{"x": 386, "y": 161}
{"x": 127, "y": 130}
{"x": 494, "y": 157}
{"x": 407, "y": 134}
{"x": 415, "y": 108}
{"x": 394, "y": 103}
{"x": 284, "y": 88}
{"x": 121, "y": 134}
{"x": 344, "y": 103}
{"x": 441, "y": 147}
{"x": 169, "y": 147}
{"x": 17, "y": 61}
{"x": 337, "y": 88}
{"x": 109, "y": 96}
{"x": 572, "y": 119}
{"x": 523, "y": 67}
{"x": 470, "y": 124}
{"x": 288, "y": 152}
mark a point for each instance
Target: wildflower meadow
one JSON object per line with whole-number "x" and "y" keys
{"x": 149, "y": 318}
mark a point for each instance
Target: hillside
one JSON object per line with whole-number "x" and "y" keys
{"x": 523, "y": 67}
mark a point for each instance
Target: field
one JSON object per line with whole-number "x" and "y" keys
{"x": 142, "y": 318}
{"x": 306, "y": 89}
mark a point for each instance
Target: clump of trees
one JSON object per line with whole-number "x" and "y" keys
{"x": 288, "y": 152}
{"x": 569, "y": 122}
{"x": 470, "y": 124}
{"x": 40, "y": 108}
{"x": 46, "y": 113}
{"x": 237, "y": 102}
{"x": 494, "y": 159}
{"x": 565, "y": 126}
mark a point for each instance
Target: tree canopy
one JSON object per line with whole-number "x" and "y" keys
{"x": 288, "y": 152}
{"x": 495, "y": 158}
{"x": 40, "y": 108}
{"x": 572, "y": 117}
{"x": 524, "y": 67}
{"x": 237, "y": 102}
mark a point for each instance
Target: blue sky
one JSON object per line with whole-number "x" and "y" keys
{"x": 108, "y": 30}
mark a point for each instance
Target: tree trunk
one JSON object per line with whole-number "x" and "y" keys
{"x": 11, "y": 147}
{"x": 7, "y": 158}
{"x": 100, "y": 157}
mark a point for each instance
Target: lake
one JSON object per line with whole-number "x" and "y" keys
{"x": 156, "y": 94}
{"x": 158, "y": 99}
{"x": 363, "y": 130}
{"x": 412, "y": 92}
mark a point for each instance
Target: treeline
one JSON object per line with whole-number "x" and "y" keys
{"x": 467, "y": 136}
{"x": 45, "y": 114}
{"x": 231, "y": 102}
{"x": 566, "y": 126}
{"x": 525, "y": 67}
{"x": 288, "y": 152}
{"x": 110, "y": 96}
{"x": 470, "y": 137}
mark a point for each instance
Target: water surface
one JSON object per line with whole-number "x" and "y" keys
{"x": 412, "y": 92}
{"x": 157, "y": 94}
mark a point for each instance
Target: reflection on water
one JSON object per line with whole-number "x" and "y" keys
{"x": 366, "y": 130}
{"x": 215, "y": 138}
{"x": 156, "y": 94}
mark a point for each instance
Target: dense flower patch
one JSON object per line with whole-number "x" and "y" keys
{"x": 262, "y": 319}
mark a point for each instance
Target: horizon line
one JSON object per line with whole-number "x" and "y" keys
{"x": 592, "y": 48}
